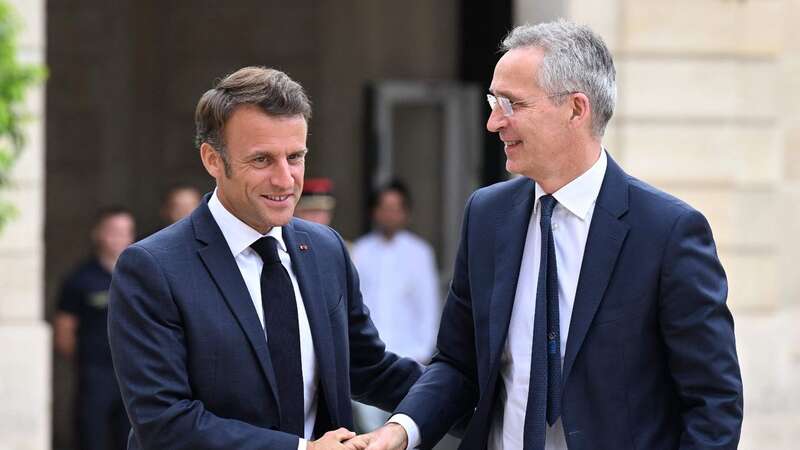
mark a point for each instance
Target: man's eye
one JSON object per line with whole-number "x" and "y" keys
{"x": 260, "y": 159}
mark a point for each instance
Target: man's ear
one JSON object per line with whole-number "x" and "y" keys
{"x": 212, "y": 160}
{"x": 581, "y": 110}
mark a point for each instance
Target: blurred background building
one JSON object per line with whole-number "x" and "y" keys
{"x": 708, "y": 109}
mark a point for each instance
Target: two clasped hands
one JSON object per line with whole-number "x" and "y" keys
{"x": 391, "y": 436}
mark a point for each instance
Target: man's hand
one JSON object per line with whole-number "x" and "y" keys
{"x": 332, "y": 440}
{"x": 391, "y": 436}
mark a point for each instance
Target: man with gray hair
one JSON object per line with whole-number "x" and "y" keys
{"x": 587, "y": 308}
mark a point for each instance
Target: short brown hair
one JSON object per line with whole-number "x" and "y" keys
{"x": 269, "y": 89}
{"x": 107, "y": 212}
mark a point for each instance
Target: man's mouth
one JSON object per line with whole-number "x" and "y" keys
{"x": 277, "y": 198}
{"x": 509, "y": 144}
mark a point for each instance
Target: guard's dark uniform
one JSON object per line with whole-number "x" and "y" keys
{"x": 101, "y": 420}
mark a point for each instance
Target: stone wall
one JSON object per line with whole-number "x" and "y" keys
{"x": 24, "y": 337}
{"x": 709, "y": 110}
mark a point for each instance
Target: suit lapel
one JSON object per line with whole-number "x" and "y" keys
{"x": 304, "y": 265}
{"x": 511, "y": 232}
{"x": 606, "y": 235}
{"x": 219, "y": 262}
{"x": 511, "y": 229}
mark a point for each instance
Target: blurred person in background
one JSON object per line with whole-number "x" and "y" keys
{"x": 317, "y": 203}
{"x": 81, "y": 334}
{"x": 399, "y": 282}
{"x": 179, "y": 201}
{"x": 399, "y": 279}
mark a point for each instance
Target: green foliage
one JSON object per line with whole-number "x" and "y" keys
{"x": 15, "y": 78}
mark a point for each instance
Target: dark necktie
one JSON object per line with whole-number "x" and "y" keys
{"x": 283, "y": 334}
{"x": 544, "y": 391}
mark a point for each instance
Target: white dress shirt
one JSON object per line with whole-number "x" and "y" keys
{"x": 239, "y": 237}
{"x": 571, "y": 220}
{"x": 400, "y": 285}
{"x": 570, "y": 223}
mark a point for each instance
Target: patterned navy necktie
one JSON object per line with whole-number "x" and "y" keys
{"x": 544, "y": 390}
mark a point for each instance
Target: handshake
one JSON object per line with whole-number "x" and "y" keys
{"x": 391, "y": 436}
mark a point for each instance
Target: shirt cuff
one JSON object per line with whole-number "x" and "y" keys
{"x": 412, "y": 430}
{"x": 302, "y": 444}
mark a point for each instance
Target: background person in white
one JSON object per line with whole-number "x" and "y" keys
{"x": 399, "y": 280}
{"x": 399, "y": 283}
{"x": 646, "y": 339}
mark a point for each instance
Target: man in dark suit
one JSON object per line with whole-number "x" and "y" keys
{"x": 239, "y": 327}
{"x": 587, "y": 308}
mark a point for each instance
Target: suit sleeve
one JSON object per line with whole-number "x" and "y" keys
{"x": 377, "y": 377}
{"x": 148, "y": 347}
{"x": 429, "y": 303}
{"x": 697, "y": 328}
{"x": 447, "y": 390}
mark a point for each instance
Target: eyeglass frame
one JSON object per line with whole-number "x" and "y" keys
{"x": 507, "y": 106}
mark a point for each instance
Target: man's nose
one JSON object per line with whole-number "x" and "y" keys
{"x": 496, "y": 120}
{"x": 282, "y": 176}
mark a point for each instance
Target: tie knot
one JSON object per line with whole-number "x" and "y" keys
{"x": 548, "y": 203}
{"x": 267, "y": 249}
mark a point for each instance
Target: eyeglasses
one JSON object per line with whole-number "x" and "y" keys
{"x": 507, "y": 106}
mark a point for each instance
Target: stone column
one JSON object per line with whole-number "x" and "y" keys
{"x": 25, "y": 358}
{"x": 708, "y": 109}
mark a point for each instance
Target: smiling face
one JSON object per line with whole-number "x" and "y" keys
{"x": 537, "y": 137}
{"x": 266, "y": 159}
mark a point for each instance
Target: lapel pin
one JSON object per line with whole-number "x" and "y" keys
{"x": 303, "y": 247}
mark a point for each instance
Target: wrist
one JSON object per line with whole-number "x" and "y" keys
{"x": 400, "y": 433}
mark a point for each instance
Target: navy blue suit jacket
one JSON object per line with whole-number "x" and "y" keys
{"x": 190, "y": 353}
{"x": 650, "y": 361}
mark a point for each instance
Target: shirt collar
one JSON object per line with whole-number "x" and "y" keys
{"x": 238, "y": 234}
{"x": 579, "y": 195}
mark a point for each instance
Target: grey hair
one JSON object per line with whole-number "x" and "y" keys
{"x": 575, "y": 60}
